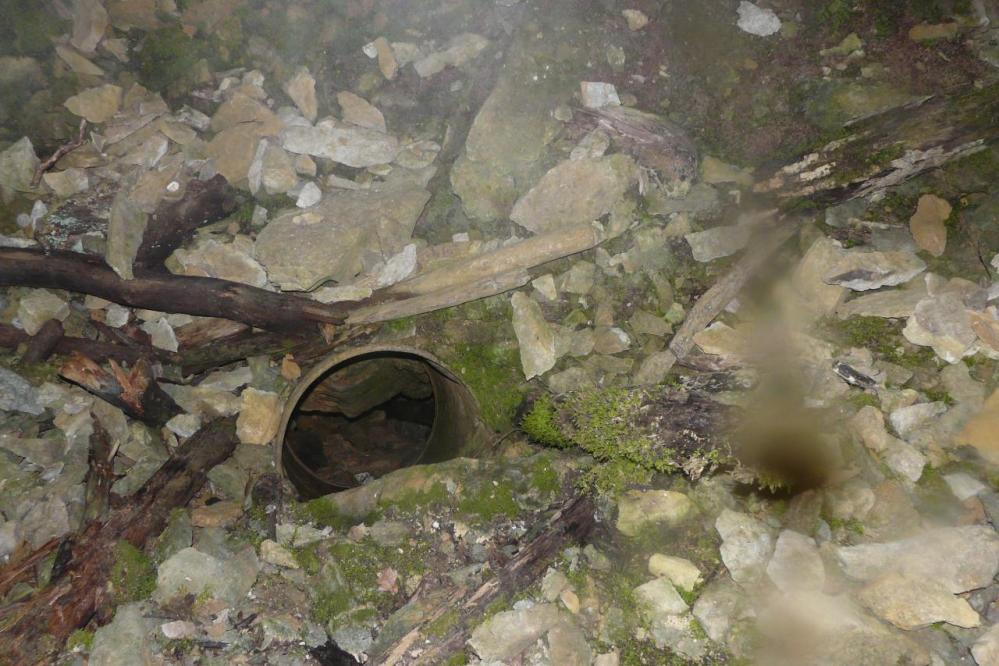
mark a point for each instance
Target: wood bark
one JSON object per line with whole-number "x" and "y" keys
{"x": 36, "y": 628}
{"x": 164, "y": 292}
{"x": 887, "y": 148}
{"x": 204, "y": 202}
{"x": 571, "y": 524}
{"x": 134, "y": 391}
{"x": 43, "y": 343}
{"x": 713, "y": 301}
{"x": 11, "y": 338}
{"x": 100, "y": 474}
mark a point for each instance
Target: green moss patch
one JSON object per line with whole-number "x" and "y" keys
{"x": 492, "y": 372}
{"x": 602, "y": 422}
{"x": 489, "y": 500}
{"x": 882, "y": 337}
{"x": 80, "y": 640}
{"x": 541, "y": 425}
{"x": 133, "y": 575}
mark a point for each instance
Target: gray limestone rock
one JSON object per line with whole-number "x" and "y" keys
{"x": 507, "y": 634}
{"x": 191, "y": 571}
{"x": 796, "y": 564}
{"x": 299, "y": 249}
{"x": 17, "y": 395}
{"x": 349, "y": 145}
{"x": 125, "y": 641}
{"x": 747, "y": 545}
{"x": 534, "y": 335}
{"x": 17, "y": 167}
{"x": 959, "y": 558}
{"x": 863, "y": 271}
{"x": 575, "y": 191}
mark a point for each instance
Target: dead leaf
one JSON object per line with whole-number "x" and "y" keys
{"x": 290, "y": 370}
{"x": 388, "y": 580}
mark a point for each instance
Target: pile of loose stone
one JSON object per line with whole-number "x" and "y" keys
{"x": 893, "y": 560}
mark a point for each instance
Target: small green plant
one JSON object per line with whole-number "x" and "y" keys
{"x": 938, "y": 394}
{"x": 308, "y": 558}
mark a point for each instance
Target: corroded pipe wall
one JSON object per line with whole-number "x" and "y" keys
{"x": 458, "y": 429}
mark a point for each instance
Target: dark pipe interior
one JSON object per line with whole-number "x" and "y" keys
{"x": 363, "y": 418}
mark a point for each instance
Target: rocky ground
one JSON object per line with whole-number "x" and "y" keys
{"x": 866, "y": 353}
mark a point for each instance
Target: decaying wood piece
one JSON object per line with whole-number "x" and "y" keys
{"x": 442, "y": 298}
{"x": 888, "y": 148}
{"x": 655, "y": 142}
{"x": 164, "y": 292}
{"x": 520, "y": 256}
{"x": 207, "y": 331}
{"x": 134, "y": 391}
{"x": 100, "y": 474}
{"x": 36, "y": 628}
{"x": 571, "y": 524}
{"x": 11, "y": 338}
{"x": 204, "y": 202}
{"x": 714, "y": 300}
{"x": 43, "y": 343}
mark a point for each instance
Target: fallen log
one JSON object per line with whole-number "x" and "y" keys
{"x": 164, "y": 292}
{"x": 887, "y": 148}
{"x": 11, "y": 338}
{"x": 204, "y": 202}
{"x": 446, "y": 297}
{"x": 570, "y": 524}
{"x": 520, "y": 256}
{"x": 36, "y": 628}
{"x": 43, "y": 343}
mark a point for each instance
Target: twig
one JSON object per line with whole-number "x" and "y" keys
{"x": 714, "y": 300}
{"x": 58, "y": 154}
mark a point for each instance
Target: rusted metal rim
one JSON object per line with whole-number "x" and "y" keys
{"x": 457, "y": 429}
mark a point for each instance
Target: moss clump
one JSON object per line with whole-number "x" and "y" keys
{"x": 360, "y": 564}
{"x": 492, "y": 371}
{"x": 938, "y": 394}
{"x": 133, "y": 575}
{"x": 836, "y": 14}
{"x": 323, "y": 513}
{"x": 27, "y": 28}
{"x": 327, "y": 605}
{"x": 852, "y": 525}
{"x": 169, "y": 56}
{"x": 308, "y": 558}
{"x": 882, "y": 337}
{"x": 80, "y": 640}
{"x": 696, "y": 630}
{"x": 860, "y": 399}
{"x": 541, "y": 424}
{"x": 604, "y": 424}
{"x": 417, "y": 500}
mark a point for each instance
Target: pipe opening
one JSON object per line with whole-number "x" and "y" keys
{"x": 364, "y": 414}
